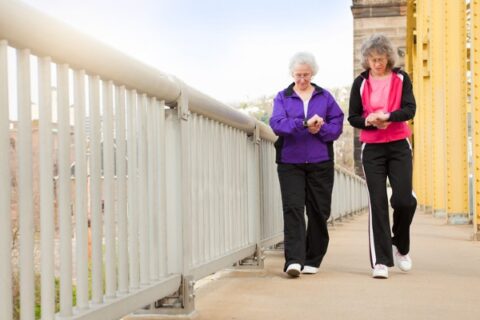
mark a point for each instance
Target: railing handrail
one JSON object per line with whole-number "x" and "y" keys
{"x": 26, "y": 27}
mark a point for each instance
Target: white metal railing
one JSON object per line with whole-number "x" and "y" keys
{"x": 133, "y": 181}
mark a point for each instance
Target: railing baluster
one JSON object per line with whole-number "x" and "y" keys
{"x": 109, "y": 196}
{"x": 245, "y": 208}
{"x": 195, "y": 145}
{"x": 143, "y": 192}
{"x": 224, "y": 186}
{"x": 200, "y": 166}
{"x": 217, "y": 181}
{"x": 155, "y": 188}
{"x": 231, "y": 191}
{"x": 211, "y": 161}
{"x": 47, "y": 222}
{"x": 120, "y": 139}
{"x": 151, "y": 169}
{"x": 96, "y": 190}
{"x": 243, "y": 160}
{"x": 81, "y": 192}
{"x": 64, "y": 190}
{"x": 25, "y": 185}
{"x": 162, "y": 210}
{"x": 5, "y": 214}
{"x": 235, "y": 225}
{"x": 132, "y": 190}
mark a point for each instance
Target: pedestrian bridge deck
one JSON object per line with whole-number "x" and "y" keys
{"x": 443, "y": 284}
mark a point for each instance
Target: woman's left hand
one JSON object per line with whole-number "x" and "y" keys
{"x": 314, "y": 124}
{"x": 378, "y": 119}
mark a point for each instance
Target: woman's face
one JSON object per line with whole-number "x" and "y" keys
{"x": 378, "y": 64}
{"x": 302, "y": 75}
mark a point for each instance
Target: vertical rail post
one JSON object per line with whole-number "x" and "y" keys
{"x": 47, "y": 221}
{"x": 64, "y": 190}
{"x": 143, "y": 192}
{"x": 109, "y": 195}
{"x": 81, "y": 192}
{"x": 96, "y": 190}
{"x": 134, "y": 272}
{"x": 6, "y": 306}
{"x": 121, "y": 152}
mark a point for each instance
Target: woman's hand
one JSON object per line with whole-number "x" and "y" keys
{"x": 378, "y": 119}
{"x": 314, "y": 124}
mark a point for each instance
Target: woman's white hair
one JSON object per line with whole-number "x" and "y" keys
{"x": 303, "y": 58}
{"x": 379, "y": 44}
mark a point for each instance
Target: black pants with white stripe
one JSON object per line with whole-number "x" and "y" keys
{"x": 392, "y": 160}
{"x": 306, "y": 186}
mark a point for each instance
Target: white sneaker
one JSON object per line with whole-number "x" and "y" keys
{"x": 380, "y": 271}
{"x": 403, "y": 262}
{"x": 294, "y": 269}
{"x": 309, "y": 270}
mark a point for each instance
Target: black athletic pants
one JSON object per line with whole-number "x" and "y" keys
{"x": 392, "y": 160}
{"x": 306, "y": 186}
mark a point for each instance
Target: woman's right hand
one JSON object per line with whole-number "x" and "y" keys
{"x": 314, "y": 124}
{"x": 378, "y": 119}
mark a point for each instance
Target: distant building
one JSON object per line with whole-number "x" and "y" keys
{"x": 377, "y": 16}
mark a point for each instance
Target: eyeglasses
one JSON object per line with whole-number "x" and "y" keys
{"x": 377, "y": 60}
{"x": 299, "y": 76}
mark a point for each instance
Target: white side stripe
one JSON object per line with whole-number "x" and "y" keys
{"x": 371, "y": 242}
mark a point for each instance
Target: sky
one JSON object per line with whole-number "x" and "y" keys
{"x": 233, "y": 51}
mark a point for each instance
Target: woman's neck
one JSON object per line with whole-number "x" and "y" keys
{"x": 303, "y": 91}
{"x": 304, "y": 94}
{"x": 383, "y": 75}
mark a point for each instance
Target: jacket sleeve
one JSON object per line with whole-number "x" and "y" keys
{"x": 407, "y": 105}
{"x": 333, "y": 126}
{"x": 355, "y": 110}
{"x": 281, "y": 124}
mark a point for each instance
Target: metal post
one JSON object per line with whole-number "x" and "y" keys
{"x": 456, "y": 113}
{"x": 438, "y": 51}
{"x": 475, "y": 63}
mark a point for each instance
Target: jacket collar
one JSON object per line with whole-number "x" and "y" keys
{"x": 289, "y": 91}
{"x": 365, "y": 74}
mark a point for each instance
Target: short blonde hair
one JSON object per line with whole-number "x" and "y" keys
{"x": 380, "y": 44}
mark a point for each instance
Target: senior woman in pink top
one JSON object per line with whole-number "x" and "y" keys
{"x": 381, "y": 101}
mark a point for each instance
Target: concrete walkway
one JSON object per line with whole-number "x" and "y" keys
{"x": 444, "y": 282}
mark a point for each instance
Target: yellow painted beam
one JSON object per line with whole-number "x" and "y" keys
{"x": 456, "y": 112}
{"x": 412, "y": 68}
{"x": 423, "y": 123}
{"x": 475, "y": 65}
{"x": 437, "y": 45}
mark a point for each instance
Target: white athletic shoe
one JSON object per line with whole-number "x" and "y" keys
{"x": 294, "y": 269}
{"x": 380, "y": 271}
{"x": 403, "y": 262}
{"x": 309, "y": 270}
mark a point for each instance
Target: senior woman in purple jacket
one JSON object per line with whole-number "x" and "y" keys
{"x": 307, "y": 120}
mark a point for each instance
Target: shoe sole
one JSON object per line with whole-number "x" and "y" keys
{"x": 293, "y": 273}
{"x": 403, "y": 269}
{"x": 380, "y": 275}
